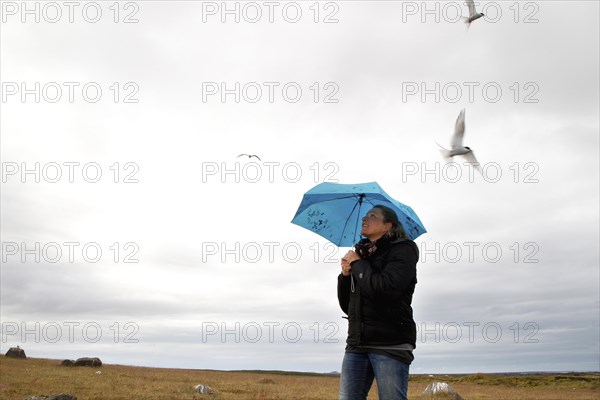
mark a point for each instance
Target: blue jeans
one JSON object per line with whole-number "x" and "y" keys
{"x": 359, "y": 369}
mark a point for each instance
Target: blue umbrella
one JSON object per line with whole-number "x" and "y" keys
{"x": 335, "y": 211}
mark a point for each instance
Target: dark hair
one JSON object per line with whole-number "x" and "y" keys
{"x": 390, "y": 216}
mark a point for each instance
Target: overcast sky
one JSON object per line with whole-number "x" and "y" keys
{"x": 131, "y": 230}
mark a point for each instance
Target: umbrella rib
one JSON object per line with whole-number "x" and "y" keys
{"x": 359, "y": 203}
{"x": 359, "y": 198}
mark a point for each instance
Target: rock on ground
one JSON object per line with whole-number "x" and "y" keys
{"x": 88, "y": 362}
{"x": 59, "y": 396}
{"x": 16, "y": 352}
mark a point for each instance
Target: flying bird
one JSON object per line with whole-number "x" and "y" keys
{"x": 456, "y": 144}
{"x": 249, "y": 156}
{"x": 473, "y": 14}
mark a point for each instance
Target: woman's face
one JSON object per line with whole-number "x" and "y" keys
{"x": 373, "y": 226}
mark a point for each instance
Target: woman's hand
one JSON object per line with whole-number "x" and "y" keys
{"x": 346, "y": 260}
{"x": 345, "y": 267}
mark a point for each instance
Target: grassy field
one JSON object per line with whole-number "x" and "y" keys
{"x": 22, "y": 378}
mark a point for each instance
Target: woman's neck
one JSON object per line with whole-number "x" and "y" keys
{"x": 373, "y": 239}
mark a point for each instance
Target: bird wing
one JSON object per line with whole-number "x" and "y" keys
{"x": 471, "y": 7}
{"x": 470, "y": 157}
{"x": 444, "y": 152}
{"x": 249, "y": 156}
{"x": 459, "y": 130}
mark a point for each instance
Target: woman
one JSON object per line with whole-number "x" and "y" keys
{"x": 375, "y": 290}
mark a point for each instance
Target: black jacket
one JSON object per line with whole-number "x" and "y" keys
{"x": 379, "y": 309}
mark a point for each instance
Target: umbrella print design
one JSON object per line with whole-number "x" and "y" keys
{"x": 316, "y": 222}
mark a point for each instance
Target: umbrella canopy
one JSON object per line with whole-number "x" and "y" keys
{"x": 335, "y": 211}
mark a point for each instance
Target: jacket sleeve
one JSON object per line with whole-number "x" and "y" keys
{"x": 343, "y": 292}
{"x": 399, "y": 272}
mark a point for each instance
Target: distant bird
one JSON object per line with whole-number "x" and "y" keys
{"x": 456, "y": 146}
{"x": 473, "y": 14}
{"x": 249, "y": 156}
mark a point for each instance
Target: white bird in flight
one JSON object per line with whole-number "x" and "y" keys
{"x": 473, "y": 14}
{"x": 249, "y": 156}
{"x": 456, "y": 144}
